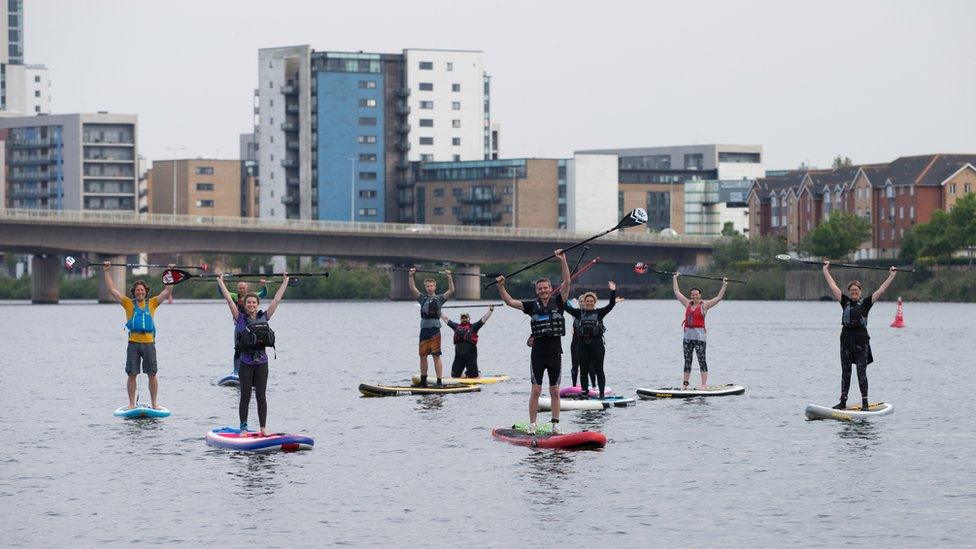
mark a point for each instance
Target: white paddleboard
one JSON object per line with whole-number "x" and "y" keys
{"x": 675, "y": 392}
{"x": 851, "y": 413}
{"x": 545, "y": 404}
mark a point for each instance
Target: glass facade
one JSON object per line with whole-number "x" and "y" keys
{"x": 652, "y": 162}
{"x": 465, "y": 171}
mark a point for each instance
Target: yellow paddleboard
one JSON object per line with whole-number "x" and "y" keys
{"x": 483, "y": 380}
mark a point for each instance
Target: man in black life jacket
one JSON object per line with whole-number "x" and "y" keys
{"x": 430, "y": 322}
{"x": 548, "y": 327}
{"x": 466, "y": 343}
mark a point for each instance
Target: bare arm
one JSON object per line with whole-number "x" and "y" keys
{"x": 884, "y": 285}
{"x": 567, "y": 276}
{"x": 503, "y": 293}
{"x": 278, "y": 295}
{"x": 830, "y": 282}
{"x": 450, "y": 286}
{"x": 110, "y": 284}
{"x": 413, "y": 283}
{"x": 488, "y": 314}
{"x": 677, "y": 291}
{"x": 234, "y": 311}
{"x": 721, "y": 294}
{"x": 446, "y": 320}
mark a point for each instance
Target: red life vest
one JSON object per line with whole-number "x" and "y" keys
{"x": 464, "y": 334}
{"x": 694, "y": 317}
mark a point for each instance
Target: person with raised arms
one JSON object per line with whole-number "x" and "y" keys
{"x": 466, "y": 343}
{"x": 589, "y": 330}
{"x": 548, "y": 327}
{"x": 430, "y": 322}
{"x": 693, "y": 340}
{"x": 855, "y": 343}
{"x": 243, "y": 289}
{"x": 254, "y": 336}
{"x": 140, "y": 355}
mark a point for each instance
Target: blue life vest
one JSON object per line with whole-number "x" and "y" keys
{"x": 141, "y": 321}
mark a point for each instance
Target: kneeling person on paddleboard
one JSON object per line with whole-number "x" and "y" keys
{"x": 548, "y": 327}
{"x": 693, "y": 340}
{"x": 140, "y": 313}
{"x": 855, "y": 343}
{"x": 430, "y": 322}
{"x": 254, "y": 335}
{"x": 466, "y": 344}
{"x": 589, "y": 330}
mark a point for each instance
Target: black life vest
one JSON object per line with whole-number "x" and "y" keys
{"x": 464, "y": 333}
{"x": 429, "y": 309}
{"x": 256, "y": 336}
{"x": 590, "y": 325}
{"x": 854, "y": 315}
{"x": 548, "y": 320}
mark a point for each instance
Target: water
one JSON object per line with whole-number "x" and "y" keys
{"x": 412, "y": 471}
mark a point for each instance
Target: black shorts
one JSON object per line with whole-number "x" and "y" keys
{"x": 542, "y": 364}
{"x": 855, "y": 350}
{"x": 140, "y": 353}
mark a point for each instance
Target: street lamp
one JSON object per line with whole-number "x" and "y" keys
{"x": 352, "y": 188}
{"x": 175, "y": 150}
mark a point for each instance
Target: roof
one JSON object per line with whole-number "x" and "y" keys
{"x": 838, "y": 176}
{"x": 929, "y": 170}
{"x": 766, "y": 185}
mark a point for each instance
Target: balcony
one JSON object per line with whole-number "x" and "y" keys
{"x": 30, "y": 160}
{"x": 402, "y": 109}
{"x": 403, "y": 92}
{"x": 479, "y": 217}
{"x": 289, "y": 90}
{"x": 403, "y": 146}
{"x": 31, "y": 176}
{"x": 291, "y": 181}
{"x": 403, "y": 128}
{"x": 289, "y": 126}
{"x": 92, "y": 140}
{"x": 289, "y": 199}
{"x": 404, "y": 201}
{"x": 26, "y": 143}
{"x": 402, "y": 164}
{"x": 292, "y": 145}
{"x": 480, "y": 199}
{"x": 257, "y": 109}
{"x": 33, "y": 193}
{"x": 289, "y": 162}
{"x": 291, "y": 109}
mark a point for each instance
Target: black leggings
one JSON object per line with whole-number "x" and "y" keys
{"x": 574, "y": 357}
{"x": 695, "y": 346}
{"x": 257, "y": 377}
{"x": 591, "y": 355}
{"x": 858, "y": 353}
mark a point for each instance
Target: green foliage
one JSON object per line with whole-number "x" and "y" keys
{"x": 15, "y": 288}
{"x": 729, "y": 229}
{"x": 766, "y": 248}
{"x": 838, "y": 236}
{"x": 842, "y": 162}
{"x": 731, "y": 249}
{"x": 945, "y": 234}
{"x": 933, "y": 238}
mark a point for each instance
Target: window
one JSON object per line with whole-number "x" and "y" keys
{"x": 739, "y": 158}
{"x": 911, "y": 212}
{"x": 455, "y": 87}
{"x": 37, "y": 93}
{"x": 426, "y": 140}
{"x": 456, "y": 105}
{"x": 450, "y": 66}
{"x": 694, "y": 161}
{"x": 508, "y": 208}
{"x": 457, "y": 158}
{"x": 889, "y": 191}
{"x": 439, "y": 192}
{"x": 891, "y": 213}
{"x": 426, "y": 158}
{"x": 37, "y": 79}
{"x": 455, "y": 123}
{"x": 367, "y": 212}
{"x": 205, "y": 203}
{"x": 911, "y": 190}
{"x": 426, "y": 66}
{"x": 367, "y": 102}
{"x": 438, "y": 211}
{"x": 367, "y": 176}
{"x": 207, "y": 170}
{"x": 426, "y": 122}
{"x": 859, "y": 212}
{"x": 426, "y": 104}
{"x": 455, "y": 141}
{"x": 426, "y": 86}
{"x": 901, "y": 191}
{"x": 457, "y": 191}
{"x": 901, "y": 233}
{"x": 367, "y": 84}
{"x": 367, "y": 120}
{"x": 952, "y": 188}
{"x": 367, "y": 139}
{"x": 367, "y": 157}
{"x": 205, "y": 186}
{"x": 367, "y": 194}
{"x": 456, "y": 210}
{"x": 968, "y": 188}
{"x": 901, "y": 212}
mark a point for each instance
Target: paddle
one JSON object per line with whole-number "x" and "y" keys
{"x": 642, "y": 268}
{"x": 788, "y": 257}
{"x": 69, "y": 263}
{"x": 636, "y": 217}
{"x": 489, "y": 275}
{"x": 472, "y": 306}
{"x": 578, "y": 272}
{"x": 176, "y": 276}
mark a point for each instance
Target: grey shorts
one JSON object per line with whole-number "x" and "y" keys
{"x": 140, "y": 353}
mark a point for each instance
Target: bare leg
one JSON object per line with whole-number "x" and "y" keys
{"x": 554, "y": 395}
{"x": 423, "y": 365}
{"x": 534, "y": 402}
{"x": 438, "y": 367}
{"x": 153, "y": 390}
{"x": 130, "y": 387}
{"x": 704, "y": 376}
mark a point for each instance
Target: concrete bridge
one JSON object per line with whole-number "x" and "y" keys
{"x": 49, "y": 233}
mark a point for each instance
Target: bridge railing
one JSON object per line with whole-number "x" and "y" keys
{"x": 308, "y": 225}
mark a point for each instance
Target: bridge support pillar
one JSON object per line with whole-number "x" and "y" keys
{"x": 118, "y": 277}
{"x": 467, "y": 288}
{"x": 45, "y": 271}
{"x": 400, "y": 286}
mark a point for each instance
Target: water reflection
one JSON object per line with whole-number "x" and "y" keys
{"x": 860, "y": 435}
{"x": 593, "y": 420}
{"x": 548, "y": 473}
{"x": 428, "y": 403}
{"x": 257, "y": 473}
{"x": 140, "y": 426}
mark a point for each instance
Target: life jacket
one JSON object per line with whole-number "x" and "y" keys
{"x": 854, "y": 315}
{"x": 465, "y": 334}
{"x": 694, "y": 317}
{"x": 590, "y": 325}
{"x": 429, "y": 309}
{"x": 142, "y": 320}
{"x": 256, "y": 336}
{"x": 548, "y": 320}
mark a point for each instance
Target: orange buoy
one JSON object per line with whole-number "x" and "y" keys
{"x": 899, "y": 316}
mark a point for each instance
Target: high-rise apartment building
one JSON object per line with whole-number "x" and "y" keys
{"x": 199, "y": 186}
{"x": 24, "y": 89}
{"x": 337, "y": 131}
{"x": 71, "y": 161}
{"x": 249, "y": 175}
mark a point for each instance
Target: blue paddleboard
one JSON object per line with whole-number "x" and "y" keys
{"x": 229, "y": 380}
{"x": 141, "y": 411}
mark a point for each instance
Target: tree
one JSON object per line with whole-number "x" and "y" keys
{"x": 838, "y": 236}
{"x": 766, "y": 248}
{"x": 962, "y": 224}
{"x": 842, "y": 162}
{"x": 731, "y": 249}
{"x": 933, "y": 237}
{"x": 729, "y": 229}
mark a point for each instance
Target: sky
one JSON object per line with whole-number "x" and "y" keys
{"x": 872, "y": 80}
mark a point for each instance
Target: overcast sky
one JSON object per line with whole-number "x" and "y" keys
{"x": 872, "y": 80}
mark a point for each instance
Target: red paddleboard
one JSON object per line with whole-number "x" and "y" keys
{"x": 580, "y": 440}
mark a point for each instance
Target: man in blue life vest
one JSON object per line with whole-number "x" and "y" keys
{"x": 140, "y": 312}
{"x": 466, "y": 343}
{"x": 430, "y": 322}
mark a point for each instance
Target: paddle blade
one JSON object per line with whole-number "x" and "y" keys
{"x": 636, "y": 217}
{"x": 294, "y": 281}
{"x": 640, "y": 268}
{"x": 175, "y": 276}
{"x": 69, "y": 262}
{"x": 784, "y": 257}
{"x": 204, "y": 267}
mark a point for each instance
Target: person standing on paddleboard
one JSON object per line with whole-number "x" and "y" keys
{"x": 243, "y": 288}
{"x": 548, "y": 327}
{"x": 466, "y": 343}
{"x": 693, "y": 340}
{"x": 855, "y": 343}
{"x": 254, "y": 335}
{"x": 140, "y": 321}
{"x": 430, "y": 322}
{"x": 589, "y": 329}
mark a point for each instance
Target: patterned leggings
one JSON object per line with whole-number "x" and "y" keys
{"x": 695, "y": 346}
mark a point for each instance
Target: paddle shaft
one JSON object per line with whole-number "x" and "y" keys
{"x": 472, "y": 306}
{"x": 135, "y": 265}
{"x": 550, "y": 256}
{"x": 442, "y": 272}
{"x": 672, "y": 273}
{"x": 578, "y": 272}
{"x": 846, "y": 265}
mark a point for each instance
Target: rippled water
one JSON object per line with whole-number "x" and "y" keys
{"x": 425, "y": 471}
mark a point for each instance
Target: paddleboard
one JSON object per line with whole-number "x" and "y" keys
{"x": 851, "y": 413}
{"x": 545, "y": 404}
{"x": 394, "y": 390}
{"x": 577, "y": 391}
{"x": 141, "y": 411}
{"x": 675, "y": 392}
{"x": 250, "y": 441}
{"x": 545, "y": 439}
{"x": 483, "y": 380}
{"x": 229, "y": 380}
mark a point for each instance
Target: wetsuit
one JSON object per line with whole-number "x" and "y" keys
{"x": 693, "y": 340}
{"x": 240, "y": 307}
{"x": 547, "y": 349}
{"x": 253, "y": 373}
{"x": 592, "y": 349}
{"x": 465, "y": 352}
{"x": 855, "y": 345}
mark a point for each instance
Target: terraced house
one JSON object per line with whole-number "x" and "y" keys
{"x": 893, "y": 197}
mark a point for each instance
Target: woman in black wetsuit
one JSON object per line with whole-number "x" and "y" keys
{"x": 590, "y": 346}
